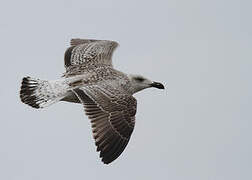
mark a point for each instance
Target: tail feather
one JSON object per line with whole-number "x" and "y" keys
{"x": 38, "y": 93}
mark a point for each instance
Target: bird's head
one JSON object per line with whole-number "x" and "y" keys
{"x": 139, "y": 83}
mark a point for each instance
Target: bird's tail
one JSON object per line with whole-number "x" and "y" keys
{"x": 40, "y": 93}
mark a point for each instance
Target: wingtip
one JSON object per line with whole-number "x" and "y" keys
{"x": 78, "y": 41}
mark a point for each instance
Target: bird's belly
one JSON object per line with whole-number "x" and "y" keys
{"x": 71, "y": 97}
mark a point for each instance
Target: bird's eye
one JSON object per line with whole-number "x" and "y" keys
{"x": 140, "y": 79}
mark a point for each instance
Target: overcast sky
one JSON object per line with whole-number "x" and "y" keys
{"x": 199, "y": 128}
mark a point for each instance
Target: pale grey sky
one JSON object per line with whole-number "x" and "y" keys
{"x": 199, "y": 128}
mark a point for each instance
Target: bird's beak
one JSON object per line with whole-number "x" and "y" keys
{"x": 157, "y": 85}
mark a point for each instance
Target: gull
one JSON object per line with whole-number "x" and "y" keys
{"x": 105, "y": 93}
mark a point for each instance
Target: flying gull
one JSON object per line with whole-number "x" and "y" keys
{"x": 105, "y": 93}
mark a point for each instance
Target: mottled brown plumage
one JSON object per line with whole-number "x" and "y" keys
{"x": 105, "y": 93}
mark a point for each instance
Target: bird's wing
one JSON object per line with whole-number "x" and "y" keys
{"x": 112, "y": 118}
{"x": 85, "y": 52}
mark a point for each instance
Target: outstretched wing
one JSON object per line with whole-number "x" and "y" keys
{"x": 112, "y": 118}
{"x": 84, "y": 52}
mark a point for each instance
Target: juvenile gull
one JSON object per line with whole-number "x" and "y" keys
{"x": 105, "y": 93}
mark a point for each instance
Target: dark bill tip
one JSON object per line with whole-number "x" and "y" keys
{"x": 157, "y": 85}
